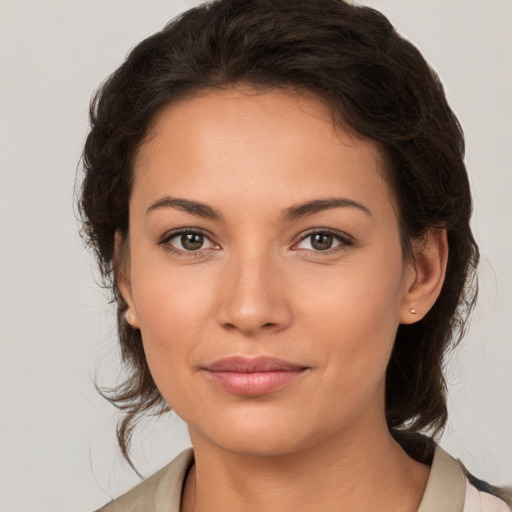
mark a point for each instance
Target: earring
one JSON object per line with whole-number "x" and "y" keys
{"x": 412, "y": 311}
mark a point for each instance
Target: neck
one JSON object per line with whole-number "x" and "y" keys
{"x": 346, "y": 473}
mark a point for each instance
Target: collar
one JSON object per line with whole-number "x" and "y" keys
{"x": 446, "y": 485}
{"x": 445, "y": 491}
{"x": 168, "y": 490}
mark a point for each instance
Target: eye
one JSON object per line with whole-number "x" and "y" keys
{"x": 187, "y": 241}
{"x": 319, "y": 241}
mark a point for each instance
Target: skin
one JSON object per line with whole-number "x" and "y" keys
{"x": 258, "y": 285}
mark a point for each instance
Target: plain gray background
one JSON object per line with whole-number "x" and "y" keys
{"x": 57, "y": 436}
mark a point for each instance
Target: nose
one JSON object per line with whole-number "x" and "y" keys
{"x": 254, "y": 299}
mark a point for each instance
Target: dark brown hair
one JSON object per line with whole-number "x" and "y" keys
{"x": 375, "y": 82}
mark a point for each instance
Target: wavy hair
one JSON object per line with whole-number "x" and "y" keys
{"x": 375, "y": 82}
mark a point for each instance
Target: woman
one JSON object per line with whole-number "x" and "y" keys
{"x": 278, "y": 192}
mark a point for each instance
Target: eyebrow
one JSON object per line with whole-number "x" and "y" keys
{"x": 291, "y": 213}
{"x": 318, "y": 205}
{"x": 192, "y": 207}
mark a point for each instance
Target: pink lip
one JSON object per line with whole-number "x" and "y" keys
{"x": 252, "y": 376}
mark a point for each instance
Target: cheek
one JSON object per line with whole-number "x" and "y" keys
{"x": 173, "y": 307}
{"x": 353, "y": 317}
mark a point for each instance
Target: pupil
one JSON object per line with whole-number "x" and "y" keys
{"x": 322, "y": 241}
{"x": 192, "y": 241}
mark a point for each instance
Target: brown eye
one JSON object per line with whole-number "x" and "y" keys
{"x": 187, "y": 242}
{"x": 325, "y": 241}
{"x": 321, "y": 241}
{"x": 192, "y": 241}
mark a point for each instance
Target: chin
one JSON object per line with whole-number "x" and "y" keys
{"x": 258, "y": 434}
{"x": 258, "y": 444}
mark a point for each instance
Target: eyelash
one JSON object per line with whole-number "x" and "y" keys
{"x": 175, "y": 234}
{"x": 344, "y": 241}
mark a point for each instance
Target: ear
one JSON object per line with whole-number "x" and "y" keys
{"x": 121, "y": 263}
{"x": 425, "y": 276}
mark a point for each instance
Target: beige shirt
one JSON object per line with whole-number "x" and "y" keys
{"x": 448, "y": 489}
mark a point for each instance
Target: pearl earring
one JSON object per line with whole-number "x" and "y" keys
{"x": 413, "y": 311}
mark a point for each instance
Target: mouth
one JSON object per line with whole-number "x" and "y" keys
{"x": 253, "y": 376}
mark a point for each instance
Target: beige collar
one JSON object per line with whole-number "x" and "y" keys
{"x": 168, "y": 491}
{"x": 446, "y": 486}
{"x": 445, "y": 491}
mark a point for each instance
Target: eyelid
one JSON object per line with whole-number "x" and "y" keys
{"x": 343, "y": 238}
{"x": 164, "y": 241}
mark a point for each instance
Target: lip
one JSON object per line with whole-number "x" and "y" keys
{"x": 252, "y": 376}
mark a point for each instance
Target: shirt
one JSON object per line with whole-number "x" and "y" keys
{"x": 449, "y": 489}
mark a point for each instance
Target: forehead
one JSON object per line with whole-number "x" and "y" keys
{"x": 254, "y": 144}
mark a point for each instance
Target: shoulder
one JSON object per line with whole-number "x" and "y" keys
{"x": 451, "y": 488}
{"x": 483, "y": 497}
{"x": 163, "y": 487}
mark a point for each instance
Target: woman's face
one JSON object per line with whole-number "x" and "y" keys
{"x": 258, "y": 232}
